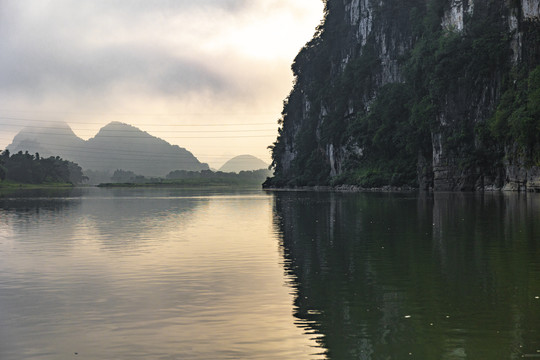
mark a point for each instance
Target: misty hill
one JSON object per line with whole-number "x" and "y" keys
{"x": 49, "y": 140}
{"x": 243, "y": 163}
{"x": 137, "y": 151}
{"x": 115, "y": 146}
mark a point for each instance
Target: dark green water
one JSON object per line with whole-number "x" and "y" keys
{"x": 213, "y": 274}
{"x": 449, "y": 276}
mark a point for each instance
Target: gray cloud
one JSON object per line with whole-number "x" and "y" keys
{"x": 93, "y": 72}
{"x": 171, "y": 5}
{"x": 54, "y": 49}
{"x": 147, "y": 62}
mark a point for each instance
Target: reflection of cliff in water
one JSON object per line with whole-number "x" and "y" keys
{"x": 447, "y": 276}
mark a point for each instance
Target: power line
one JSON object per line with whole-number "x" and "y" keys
{"x": 154, "y": 131}
{"x": 89, "y": 113}
{"x": 110, "y": 151}
{"x": 163, "y": 131}
{"x": 173, "y": 137}
{"x": 158, "y": 125}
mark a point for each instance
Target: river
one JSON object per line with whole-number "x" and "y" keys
{"x": 220, "y": 274}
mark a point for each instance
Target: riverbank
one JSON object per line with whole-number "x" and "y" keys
{"x": 344, "y": 188}
{"x": 186, "y": 183}
{"x": 11, "y": 185}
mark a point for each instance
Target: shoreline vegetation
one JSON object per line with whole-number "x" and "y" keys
{"x": 344, "y": 188}
{"x": 26, "y": 171}
{"x": 389, "y": 189}
{"x": 189, "y": 179}
{"x": 8, "y": 185}
{"x": 179, "y": 184}
{"x": 9, "y": 188}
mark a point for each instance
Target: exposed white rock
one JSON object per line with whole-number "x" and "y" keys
{"x": 350, "y": 108}
{"x": 453, "y": 18}
{"x": 357, "y": 150}
{"x": 307, "y": 106}
{"x": 365, "y": 21}
{"x": 352, "y": 9}
{"x": 436, "y": 139}
{"x": 442, "y": 119}
{"x": 331, "y": 158}
{"x": 516, "y": 42}
{"x": 530, "y": 9}
{"x": 344, "y": 62}
{"x": 288, "y": 156}
{"x": 324, "y": 111}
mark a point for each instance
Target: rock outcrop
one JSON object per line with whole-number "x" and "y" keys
{"x": 412, "y": 92}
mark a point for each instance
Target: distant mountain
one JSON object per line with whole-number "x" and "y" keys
{"x": 137, "y": 151}
{"x": 115, "y": 146}
{"x": 243, "y": 163}
{"x": 52, "y": 139}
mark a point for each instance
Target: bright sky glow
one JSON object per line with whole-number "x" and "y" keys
{"x": 185, "y": 71}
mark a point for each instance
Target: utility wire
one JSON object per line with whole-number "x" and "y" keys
{"x": 111, "y": 152}
{"x": 149, "y": 124}
{"x": 153, "y": 131}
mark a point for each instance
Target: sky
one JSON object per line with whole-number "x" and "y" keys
{"x": 207, "y": 75}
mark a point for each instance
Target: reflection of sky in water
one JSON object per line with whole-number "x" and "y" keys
{"x": 141, "y": 273}
{"x": 148, "y": 274}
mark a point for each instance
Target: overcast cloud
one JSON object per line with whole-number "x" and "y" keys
{"x": 157, "y": 61}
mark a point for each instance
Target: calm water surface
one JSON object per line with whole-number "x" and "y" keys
{"x": 172, "y": 274}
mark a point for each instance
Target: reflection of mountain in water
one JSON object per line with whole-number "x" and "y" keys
{"x": 115, "y": 218}
{"x": 383, "y": 276}
{"x": 128, "y": 217}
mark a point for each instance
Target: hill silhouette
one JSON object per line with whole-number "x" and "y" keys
{"x": 243, "y": 163}
{"x": 116, "y": 146}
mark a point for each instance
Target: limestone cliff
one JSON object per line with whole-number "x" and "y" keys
{"x": 441, "y": 94}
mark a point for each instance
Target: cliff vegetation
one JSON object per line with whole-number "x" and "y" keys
{"x": 441, "y": 94}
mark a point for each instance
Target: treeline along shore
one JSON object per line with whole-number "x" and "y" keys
{"x": 185, "y": 178}
{"x": 25, "y": 168}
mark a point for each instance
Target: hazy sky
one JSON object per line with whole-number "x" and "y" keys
{"x": 207, "y": 75}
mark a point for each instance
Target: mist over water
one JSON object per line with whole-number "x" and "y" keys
{"x": 214, "y": 274}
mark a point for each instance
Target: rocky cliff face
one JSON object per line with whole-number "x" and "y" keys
{"x": 412, "y": 92}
